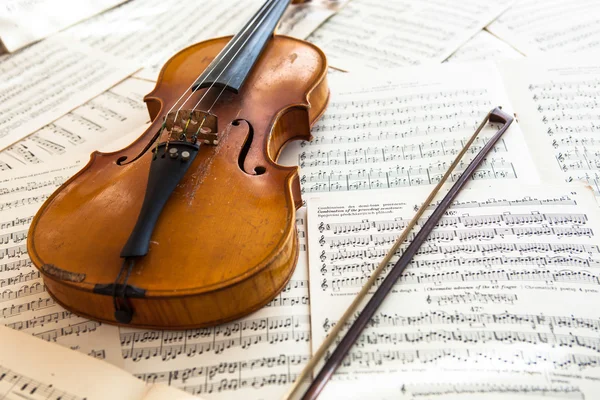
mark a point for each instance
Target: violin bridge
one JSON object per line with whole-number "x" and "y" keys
{"x": 194, "y": 124}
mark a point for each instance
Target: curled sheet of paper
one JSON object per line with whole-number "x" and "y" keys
{"x": 34, "y": 370}
{"x": 300, "y": 20}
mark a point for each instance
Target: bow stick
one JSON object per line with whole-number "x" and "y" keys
{"x": 496, "y": 115}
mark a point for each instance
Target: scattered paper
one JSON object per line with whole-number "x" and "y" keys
{"x": 25, "y": 305}
{"x": 97, "y": 123}
{"x": 256, "y": 357}
{"x": 495, "y": 303}
{"x": 34, "y": 370}
{"x": 23, "y": 22}
{"x": 558, "y": 110}
{"x": 560, "y": 26}
{"x": 376, "y": 34}
{"x": 404, "y": 128}
{"x": 45, "y": 81}
{"x": 152, "y": 31}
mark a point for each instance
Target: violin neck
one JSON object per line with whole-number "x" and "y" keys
{"x": 233, "y": 64}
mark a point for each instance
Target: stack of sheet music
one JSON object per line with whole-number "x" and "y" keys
{"x": 500, "y": 301}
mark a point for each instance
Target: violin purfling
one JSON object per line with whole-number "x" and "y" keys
{"x": 193, "y": 224}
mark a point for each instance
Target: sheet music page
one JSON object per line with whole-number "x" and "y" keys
{"x": 152, "y": 31}
{"x": 24, "y": 303}
{"x": 557, "y": 103}
{"x": 93, "y": 125}
{"x": 484, "y": 46}
{"x": 550, "y": 26}
{"x": 375, "y": 34}
{"x": 35, "y": 370}
{"x": 43, "y": 82}
{"x": 23, "y": 22}
{"x": 255, "y": 357}
{"x": 500, "y": 299}
{"x": 405, "y": 129}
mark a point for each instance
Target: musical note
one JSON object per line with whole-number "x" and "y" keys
{"x": 22, "y": 386}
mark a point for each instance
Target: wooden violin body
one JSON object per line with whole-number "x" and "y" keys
{"x": 225, "y": 243}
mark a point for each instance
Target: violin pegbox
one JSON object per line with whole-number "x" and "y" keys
{"x": 197, "y": 125}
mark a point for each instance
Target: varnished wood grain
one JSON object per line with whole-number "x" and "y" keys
{"x": 225, "y": 243}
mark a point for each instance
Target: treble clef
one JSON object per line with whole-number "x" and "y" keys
{"x": 324, "y": 269}
{"x": 322, "y": 240}
{"x": 324, "y": 284}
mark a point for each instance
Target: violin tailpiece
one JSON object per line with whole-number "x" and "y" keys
{"x": 199, "y": 125}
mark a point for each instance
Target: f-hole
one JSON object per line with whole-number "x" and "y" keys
{"x": 259, "y": 170}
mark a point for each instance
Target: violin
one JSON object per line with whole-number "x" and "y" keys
{"x": 194, "y": 223}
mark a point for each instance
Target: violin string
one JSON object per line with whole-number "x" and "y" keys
{"x": 207, "y": 112}
{"x": 221, "y": 57}
{"x": 220, "y": 93}
{"x": 252, "y": 21}
{"x": 225, "y": 68}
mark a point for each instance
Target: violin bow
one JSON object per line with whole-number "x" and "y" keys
{"x": 336, "y": 358}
